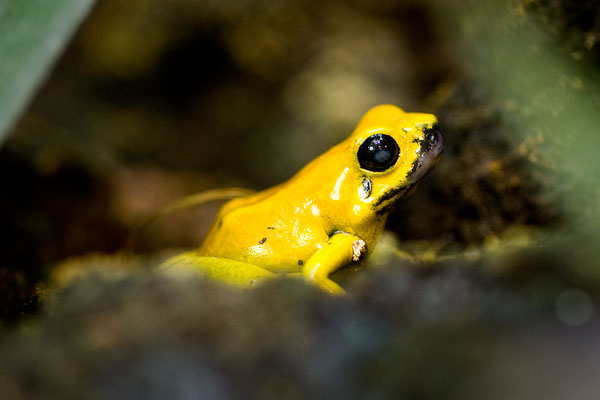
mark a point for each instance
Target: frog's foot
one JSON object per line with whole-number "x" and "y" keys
{"x": 231, "y": 272}
{"x": 325, "y": 284}
{"x": 329, "y": 286}
{"x": 341, "y": 250}
{"x": 317, "y": 275}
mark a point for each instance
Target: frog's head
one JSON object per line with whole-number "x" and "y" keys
{"x": 392, "y": 151}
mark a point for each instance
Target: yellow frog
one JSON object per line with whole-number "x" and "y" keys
{"x": 330, "y": 213}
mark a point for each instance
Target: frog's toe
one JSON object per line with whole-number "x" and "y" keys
{"x": 329, "y": 286}
{"x": 334, "y": 289}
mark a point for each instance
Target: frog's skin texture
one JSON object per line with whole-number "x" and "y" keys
{"x": 326, "y": 216}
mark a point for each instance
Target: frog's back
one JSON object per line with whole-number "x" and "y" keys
{"x": 268, "y": 229}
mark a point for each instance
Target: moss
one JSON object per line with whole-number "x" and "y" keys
{"x": 402, "y": 334}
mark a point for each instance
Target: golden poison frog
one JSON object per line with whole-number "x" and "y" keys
{"x": 328, "y": 215}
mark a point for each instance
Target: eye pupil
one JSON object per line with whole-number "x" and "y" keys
{"x": 378, "y": 153}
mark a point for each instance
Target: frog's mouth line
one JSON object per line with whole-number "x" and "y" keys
{"x": 394, "y": 196}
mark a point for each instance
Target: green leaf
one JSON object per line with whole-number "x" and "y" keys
{"x": 551, "y": 99}
{"x": 32, "y": 35}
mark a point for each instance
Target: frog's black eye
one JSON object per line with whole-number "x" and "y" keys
{"x": 378, "y": 153}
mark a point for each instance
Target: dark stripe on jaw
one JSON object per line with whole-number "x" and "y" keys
{"x": 416, "y": 164}
{"x": 391, "y": 194}
{"x": 394, "y": 201}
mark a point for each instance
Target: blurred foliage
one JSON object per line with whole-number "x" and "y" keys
{"x": 574, "y": 24}
{"x": 551, "y": 102}
{"x": 142, "y": 335}
{"x": 32, "y": 35}
{"x": 484, "y": 184}
{"x": 232, "y": 86}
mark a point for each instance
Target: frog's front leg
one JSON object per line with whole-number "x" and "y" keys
{"x": 340, "y": 250}
{"x": 232, "y": 272}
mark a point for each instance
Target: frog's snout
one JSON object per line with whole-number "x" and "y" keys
{"x": 433, "y": 142}
{"x": 431, "y": 148}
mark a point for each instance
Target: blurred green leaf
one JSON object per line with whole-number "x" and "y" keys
{"x": 551, "y": 103}
{"x": 32, "y": 35}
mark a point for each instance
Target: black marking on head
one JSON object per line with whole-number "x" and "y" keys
{"x": 270, "y": 227}
{"x": 261, "y": 241}
{"x": 220, "y": 224}
{"x": 367, "y": 186}
{"x": 429, "y": 136}
{"x": 300, "y": 262}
